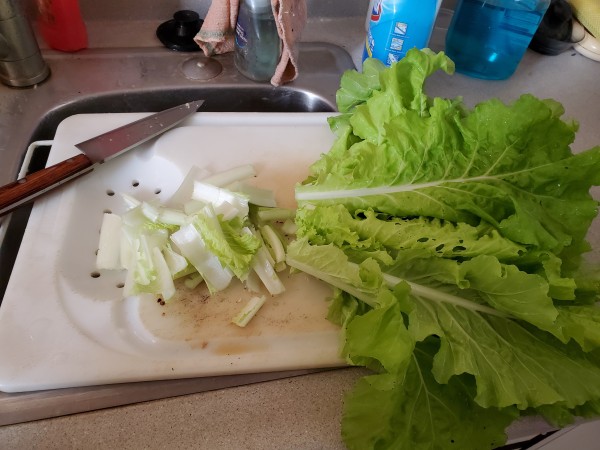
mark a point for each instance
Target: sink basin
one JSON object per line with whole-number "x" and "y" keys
{"x": 142, "y": 80}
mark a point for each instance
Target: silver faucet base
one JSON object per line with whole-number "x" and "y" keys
{"x": 21, "y": 62}
{"x": 25, "y": 72}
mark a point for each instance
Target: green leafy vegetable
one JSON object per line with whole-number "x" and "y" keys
{"x": 414, "y": 408}
{"x": 454, "y": 238}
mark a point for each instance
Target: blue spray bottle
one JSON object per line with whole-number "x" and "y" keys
{"x": 396, "y": 26}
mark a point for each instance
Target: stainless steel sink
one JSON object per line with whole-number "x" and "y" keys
{"x": 143, "y": 80}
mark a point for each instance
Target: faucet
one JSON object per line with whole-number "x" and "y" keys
{"x": 21, "y": 62}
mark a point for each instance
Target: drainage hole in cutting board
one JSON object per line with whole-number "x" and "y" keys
{"x": 134, "y": 183}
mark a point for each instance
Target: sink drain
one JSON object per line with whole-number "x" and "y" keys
{"x": 201, "y": 68}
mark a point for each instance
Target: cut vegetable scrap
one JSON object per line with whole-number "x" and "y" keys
{"x": 264, "y": 266}
{"x": 225, "y": 203}
{"x": 256, "y": 196}
{"x": 249, "y": 311}
{"x": 274, "y": 243}
{"x": 109, "y": 252}
{"x": 204, "y": 235}
{"x": 191, "y": 244}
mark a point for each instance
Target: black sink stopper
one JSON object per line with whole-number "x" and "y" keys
{"x": 178, "y": 33}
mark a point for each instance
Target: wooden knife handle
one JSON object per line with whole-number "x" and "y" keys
{"x": 32, "y": 186}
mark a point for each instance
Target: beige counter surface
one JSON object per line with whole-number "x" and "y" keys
{"x": 295, "y": 413}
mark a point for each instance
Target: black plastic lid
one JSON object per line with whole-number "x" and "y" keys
{"x": 178, "y": 33}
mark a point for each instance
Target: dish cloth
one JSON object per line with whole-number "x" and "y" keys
{"x": 217, "y": 33}
{"x": 588, "y": 14}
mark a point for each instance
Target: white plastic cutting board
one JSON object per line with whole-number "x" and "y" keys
{"x": 63, "y": 324}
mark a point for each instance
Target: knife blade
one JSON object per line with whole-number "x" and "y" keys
{"x": 96, "y": 151}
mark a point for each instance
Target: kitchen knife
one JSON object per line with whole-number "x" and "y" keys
{"x": 96, "y": 151}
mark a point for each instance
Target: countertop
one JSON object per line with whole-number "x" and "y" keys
{"x": 302, "y": 412}
{"x": 295, "y": 413}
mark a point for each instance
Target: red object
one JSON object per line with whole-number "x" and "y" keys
{"x": 61, "y": 25}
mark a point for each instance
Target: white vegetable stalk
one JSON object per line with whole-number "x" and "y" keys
{"x": 252, "y": 282}
{"x": 141, "y": 276}
{"x": 189, "y": 270}
{"x": 334, "y": 281}
{"x": 193, "y": 281}
{"x": 230, "y": 176}
{"x": 249, "y": 311}
{"x": 144, "y": 264}
{"x": 174, "y": 260}
{"x": 163, "y": 275}
{"x": 181, "y": 198}
{"x": 184, "y": 192}
{"x": 289, "y": 227}
{"x": 274, "y": 244}
{"x": 308, "y": 193}
{"x": 226, "y": 203}
{"x": 263, "y": 264}
{"x": 129, "y": 287}
{"x": 126, "y": 253}
{"x": 170, "y": 216}
{"x": 130, "y": 202}
{"x": 275, "y": 214}
{"x": 192, "y": 207}
{"x": 134, "y": 218}
{"x": 149, "y": 211}
{"x": 109, "y": 246}
{"x": 256, "y": 196}
{"x": 193, "y": 247}
{"x": 440, "y": 296}
{"x": 391, "y": 281}
{"x": 266, "y": 272}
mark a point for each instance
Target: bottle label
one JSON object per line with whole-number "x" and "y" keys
{"x": 241, "y": 37}
{"x": 396, "y": 26}
{"x": 376, "y": 11}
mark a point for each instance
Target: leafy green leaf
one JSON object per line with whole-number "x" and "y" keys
{"x": 512, "y": 364}
{"x": 357, "y": 87}
{"x": 368, "y": 231}
{"x": 507, "y": 165}
{"x": 456, "y": 235}
{"x": 225, "y": 239}
{"x": 414, "y": 411}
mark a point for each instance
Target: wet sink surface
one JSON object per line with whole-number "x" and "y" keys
{"x": 142, "y": 80}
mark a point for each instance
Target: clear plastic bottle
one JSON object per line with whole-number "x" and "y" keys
{"x": 257, "y": 43}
